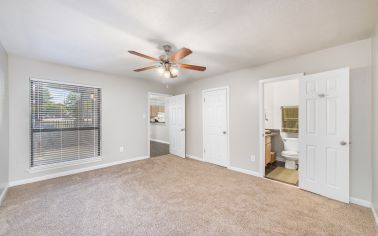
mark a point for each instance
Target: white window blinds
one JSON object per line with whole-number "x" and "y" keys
{"x": 65, "y": 122}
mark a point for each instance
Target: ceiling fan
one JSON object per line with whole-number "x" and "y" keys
{"x": 168, "y": 63}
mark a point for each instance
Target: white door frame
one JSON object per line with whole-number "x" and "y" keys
{"x": 228, "y": 121}
{"x": 148, "y": 117}
{"x": 262, "y": 115}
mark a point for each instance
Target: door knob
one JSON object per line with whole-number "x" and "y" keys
{"x": 224, "y": 132}
{"x": 182, "y": 129}
{"x": 321, "y": 95}
{"x": 343, "y": 143}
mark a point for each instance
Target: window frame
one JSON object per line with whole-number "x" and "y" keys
{"x": 35, "y": 169}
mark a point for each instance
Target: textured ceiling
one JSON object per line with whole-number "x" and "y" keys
{"x": 224, "y": 35}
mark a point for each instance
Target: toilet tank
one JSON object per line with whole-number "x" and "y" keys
{"x": 291, "y": 144}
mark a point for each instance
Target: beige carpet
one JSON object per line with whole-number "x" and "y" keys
{"x": 173, "y": 196}
{"x": 284, "y": 175}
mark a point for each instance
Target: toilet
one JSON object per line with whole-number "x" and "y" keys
{"x": 290, "y": 152}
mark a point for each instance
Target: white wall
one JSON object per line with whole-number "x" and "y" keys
{"x": 276, "y": 95}
{"x": 124, "y": 102}
{"x": 244, "y": 107}
{"x": 159, "y": 131}
{"x": 4, "y": 125}
{"x": 375, "y": 121}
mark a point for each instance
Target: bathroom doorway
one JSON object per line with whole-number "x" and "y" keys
{"x": 316, "y": 151}
{"x": 280, "y": 129}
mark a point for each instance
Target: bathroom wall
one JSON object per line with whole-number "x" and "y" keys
{"x": 276, "y": 95}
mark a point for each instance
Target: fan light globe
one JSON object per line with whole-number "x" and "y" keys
{"x": 161, "y": 70}
{"x": 174, "y": 71}
{"x": 167, "y": 74}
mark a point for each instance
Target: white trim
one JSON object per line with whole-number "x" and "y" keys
{"x": 261, "y": 115}
{"x": 374, "y": 214}
{"x": 148, "y": 117}
{"x": 159, "y": 141}
{"x": 3, "y": 194}
{"x": 228, "y": 122}
{"x": 62, "y": 82}
{"x": 365, "y": 203}
{"x": 71, "y": 172}
{"x": 244, "y": 171}
{"x": 194, "y": 157}
{"x": 63, "y": 164}
{"x": 360, "y": 202}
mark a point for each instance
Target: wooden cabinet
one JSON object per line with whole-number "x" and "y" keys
{"x": 154, "y": 110}
{"x": 268, "y": 149}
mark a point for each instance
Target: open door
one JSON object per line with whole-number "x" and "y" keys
{"x": 324, "y": 134}
{"x": 177, "y": 125}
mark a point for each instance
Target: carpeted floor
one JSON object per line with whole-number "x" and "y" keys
{"x": 172, "y": 196}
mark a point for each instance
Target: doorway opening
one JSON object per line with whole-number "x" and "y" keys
{"x": 314, "y": 132}
{"x": 158, "y": 127}
{"x": 280, "y": 128}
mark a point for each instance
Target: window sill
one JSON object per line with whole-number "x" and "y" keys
{"x": 63, "y": 164}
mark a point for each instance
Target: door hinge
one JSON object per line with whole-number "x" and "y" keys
{"x": 204, "y": 100}
{"x": 204, "y": 150}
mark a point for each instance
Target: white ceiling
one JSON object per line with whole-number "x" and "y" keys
{"x": 224, "y": 35}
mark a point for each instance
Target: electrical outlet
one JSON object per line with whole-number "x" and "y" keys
{"x": 253, "y": 158}
{"x": 121, "y": 149}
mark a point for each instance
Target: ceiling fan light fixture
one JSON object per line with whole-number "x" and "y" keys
{"x": 174, "y": 71}
{"x": 168, "y": 64}
{"x": 167, "y": 74}
{"x": 161, "y": 70}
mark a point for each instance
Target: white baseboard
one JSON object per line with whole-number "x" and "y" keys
{"x": 374, "y": 214}
{"x": 159, "y": 141}
{"x": 194, "y": 157}
{"x": 360, "y": 202}
{"x": 2, "y": 196}
{"x": 71, "y": 172}
{"x": 241, "y": 170}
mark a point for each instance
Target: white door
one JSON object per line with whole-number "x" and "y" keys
{"x": 215, "y": 126}
{"x": 177, "y": 125}
{"x": 324, "y": 134}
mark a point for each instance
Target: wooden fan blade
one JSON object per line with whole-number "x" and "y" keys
{"x": 146, "y": 68}
{"x": 183, "y": 52}
{"x": 192, "y": 67}
{"x": 143, "y": 55}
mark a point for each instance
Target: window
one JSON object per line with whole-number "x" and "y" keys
{"x": 65, "y": 122}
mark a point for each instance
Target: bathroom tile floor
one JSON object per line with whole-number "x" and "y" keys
{"x": 276, "y": 171}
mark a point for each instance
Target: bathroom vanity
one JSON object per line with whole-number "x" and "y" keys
{"x": 269, "y": 158}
